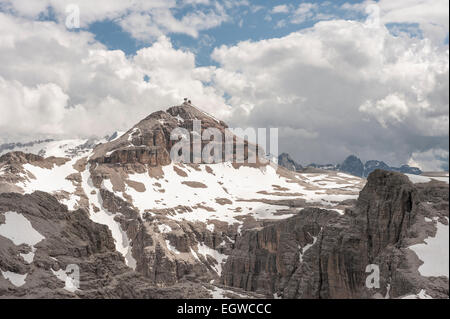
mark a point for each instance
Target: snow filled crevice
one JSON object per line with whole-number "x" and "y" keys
{"x": 205, "y": 251}
{"x": 306, "y": 247}
{"x": 105, "y": 217}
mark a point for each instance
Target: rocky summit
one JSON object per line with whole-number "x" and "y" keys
{"x": 117, "y": 218}
{"x": 287, "y": 162}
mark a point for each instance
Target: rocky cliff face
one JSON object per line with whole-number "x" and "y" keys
{"x": 266, "y": 260}
{"x": 287, "y": 162}
{"x": 352, "y": 165}
{"x": 68, "y": 238}
{"x": 149, "y": 142}
{"x": 318, "y": 254}
{"x": 150, "y": 252}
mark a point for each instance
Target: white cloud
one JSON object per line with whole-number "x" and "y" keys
{"x": 140, "y": 26}
{"x": 355, "y": 88}
{"x": 144, "y": 19}
{"x": 430, "y": 160}
{"x": 205, "y": 2}
{"x": 431, "y": 16}
{"x": 281, "y": 23}
{"x": 56, "y": 83}
{"x": 304, "y": 12}
{"x": 90, "y": 11}
{"x": 391, "y": 108}
{"x": 256, "y": 8}
{"x": 38, "y": 109}
{"x": 282, "y": 8}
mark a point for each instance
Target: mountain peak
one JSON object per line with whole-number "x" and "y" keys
{"x": 188, "y": 111}
{"x": 148, "y": 142}
{"x": 286, "y": 161}
{"x": 353, "y": 165}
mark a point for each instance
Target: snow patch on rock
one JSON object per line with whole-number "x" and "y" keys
{"x": 435, "y": 262}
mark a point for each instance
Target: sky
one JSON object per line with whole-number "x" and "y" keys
{"x": 336, "y": 78}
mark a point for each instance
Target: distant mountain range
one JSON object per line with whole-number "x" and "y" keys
{"x": 351, "y": 165}
{"x": 58, "y": 148}
{"x": 7, "y": 147}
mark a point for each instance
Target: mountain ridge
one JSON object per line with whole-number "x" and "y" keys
{"x": 351, "y": 165}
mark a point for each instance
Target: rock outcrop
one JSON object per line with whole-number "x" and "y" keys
{"x": 264, "y": 260}
{"x": 71, "y": 238}
{"x": 286, "y": 161}
{"x": 149, "y": 245}
{"x": 387, "y": 219}
{"x": 352, "y": 165}
{"x": 20, "y": 158}
{"x": 149, "y": 142}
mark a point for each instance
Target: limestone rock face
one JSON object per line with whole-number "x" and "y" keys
{"x": 146, "y": 143}
{"x": 149, "y": 249}
{"x": 287, "y": 162}
{"x": 386, "y": 208}
{"x": 388, "y": 218}
{"x": 71, "y": 238}
{"x": 352, "y": 165}
{"x": 264, "y": 260}
{"x": 149, "y": 142}
{"x": 20, "y": 158}
{"x": 12, "y": 172}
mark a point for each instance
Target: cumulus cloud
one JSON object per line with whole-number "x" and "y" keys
{"x": 39, "y": 109}
{"x": 282, "y": 8}
{"x": 145, "y": 20}
{"x": 297, "y": 14}
{"x": 56, "y": 83}
{"x": 431, "y": 160}
{"x": 147, "y": 26}
{"x": 430, "y": 16}
{"x": 304, "y": 12}
{"x": 352, "y": 87}
{"x": 391, "y": 108}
